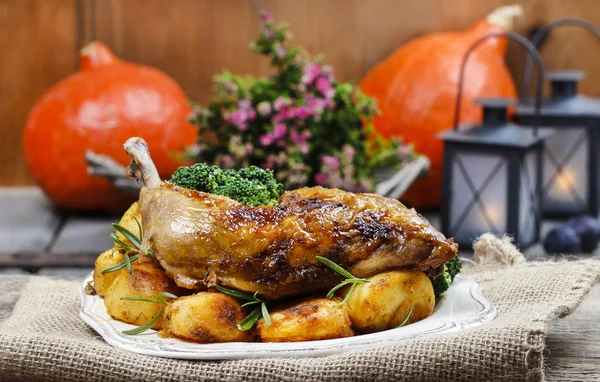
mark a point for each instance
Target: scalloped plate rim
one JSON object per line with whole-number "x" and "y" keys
{"x": 150, "y": 344}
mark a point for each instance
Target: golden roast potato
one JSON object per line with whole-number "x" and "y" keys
{"x": 206, "y": 317}
{"x": 147, "y": 280}
{"x": 385, "y": 302}
{"x": 106, "y": 260}
{"x": 128, "y": 221}
{"x": 310, "y": 320}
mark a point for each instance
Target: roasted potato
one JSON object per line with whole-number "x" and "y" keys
{"x": 107, "y": 260}
{"x": 146, "y": 280}
{"x": 128, "y": 221}
{"x": 385, "y": 302}
{"x": 206, "y": 317}
{"x": 310, "y": 320}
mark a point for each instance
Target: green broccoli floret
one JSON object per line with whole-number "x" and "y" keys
{"x": 254, "y": 186}
{"x": 442, "y": 282}
{"x": 199, "y": 176}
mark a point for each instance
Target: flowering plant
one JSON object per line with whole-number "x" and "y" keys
{"x": 299, "y": 122}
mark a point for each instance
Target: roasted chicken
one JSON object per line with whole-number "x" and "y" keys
{"x": 203, "y": 239}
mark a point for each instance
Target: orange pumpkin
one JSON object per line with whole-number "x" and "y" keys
{"x": 416, "y": 91}
{"x": 107, "y": 101}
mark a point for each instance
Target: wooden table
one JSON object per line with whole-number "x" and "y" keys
{"x": 34, "y": 238}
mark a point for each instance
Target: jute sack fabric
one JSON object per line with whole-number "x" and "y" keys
{"x": 43, "y": 338}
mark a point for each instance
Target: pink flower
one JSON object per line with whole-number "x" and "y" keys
{"x": 301, "y": 112}
{"x": 265, "y": 16}
{"x": 266, "y": 140}
{"x": 281, "y": 102}
{"x": 316, "y": 106}
{"x": 279, "y": 131}
{"x": 310, "y": 72}
{"x": 269, "y": 162}
{"x": 324, "y": 87}
{"x": 279, "y": 51}
{"x": 264, "y": 108}
{"x": 321, "y": 179}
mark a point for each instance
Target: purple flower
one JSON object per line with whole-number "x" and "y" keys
{"x": 230, "y": 87}
{"x": 264, "y": 108}
{"x": 324, "y": 87}
{"x": 330, "y": 161}
{"x": 265, "y": 16}
{"x": 267, "y": 32}
{"x": 348, "y": 153}
{"x": 227, "y": 161}
{"x": 244, "y": 104}
{"x": 310, "y": 72}
{"x": 235, "y": 140}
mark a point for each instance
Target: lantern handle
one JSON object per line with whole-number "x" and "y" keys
{"x": 532, "y": 52}
{"x": 541, "y": 33}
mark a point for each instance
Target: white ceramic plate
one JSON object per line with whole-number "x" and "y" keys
{"x": 463, "y": 307}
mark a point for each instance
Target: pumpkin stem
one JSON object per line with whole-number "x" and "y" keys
{"x": 95, "y": 54}
{"x": 506, "y": 16}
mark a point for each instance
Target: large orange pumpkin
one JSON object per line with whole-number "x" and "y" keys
{"x": 107, "y": 101}
{"x": 416, "y": 91}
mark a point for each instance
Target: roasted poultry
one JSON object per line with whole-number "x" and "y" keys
{"x": 203, "y": 239}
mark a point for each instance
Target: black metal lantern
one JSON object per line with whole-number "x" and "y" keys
{"x": 571, "y": 158}
{"x": 491, "y": 174}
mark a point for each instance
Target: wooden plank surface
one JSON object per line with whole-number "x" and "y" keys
{"x": 574, "y": 343}
{"x": 192, "y": 40}
{"x": 37, "y": 45}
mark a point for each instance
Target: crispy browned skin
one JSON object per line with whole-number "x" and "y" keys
{"x": 202, "y": 239}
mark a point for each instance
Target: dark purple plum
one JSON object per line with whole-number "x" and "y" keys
{"x": 588, "y": 229}
{"x": 562, "y": 239}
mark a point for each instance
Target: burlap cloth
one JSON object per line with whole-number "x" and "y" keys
{"x": 43, "y": 338}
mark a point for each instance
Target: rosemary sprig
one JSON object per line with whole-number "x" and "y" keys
{"x": 259, "y": 311}
{"x": 134, "y": 248}
{"x": 350, "y": 279}
{"x": 407, "y": 316}
{"x": 159, "y": 300}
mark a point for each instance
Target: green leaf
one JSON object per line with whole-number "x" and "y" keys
{"x": 407, "y": 316}
{"x": 251, "y": 303}
{"x": 129, "y": 235}
{"x": 265, "y": 314}
{"x": 166, "y": 294}
{"x": 235, "y": 293}
{"x": 128, "y": 262}
{"x": 143, "y": 299}
{"x": 121, "y": 265}
{"x": 146, "y": 326}
{"x": 345, "y": 300}
{"x": 117, "y": 240}
{"x": 250, "y": 320}
{"x": 139, "y": 228}
{"x": 335, "y": 267}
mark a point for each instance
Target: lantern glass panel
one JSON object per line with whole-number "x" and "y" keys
{"x": 486, "y": 175}
{"x": 528, "y": 207}
{"x": 565, "y": 187}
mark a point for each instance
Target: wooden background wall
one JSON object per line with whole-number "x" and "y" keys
{"x": 194, "y": 39}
